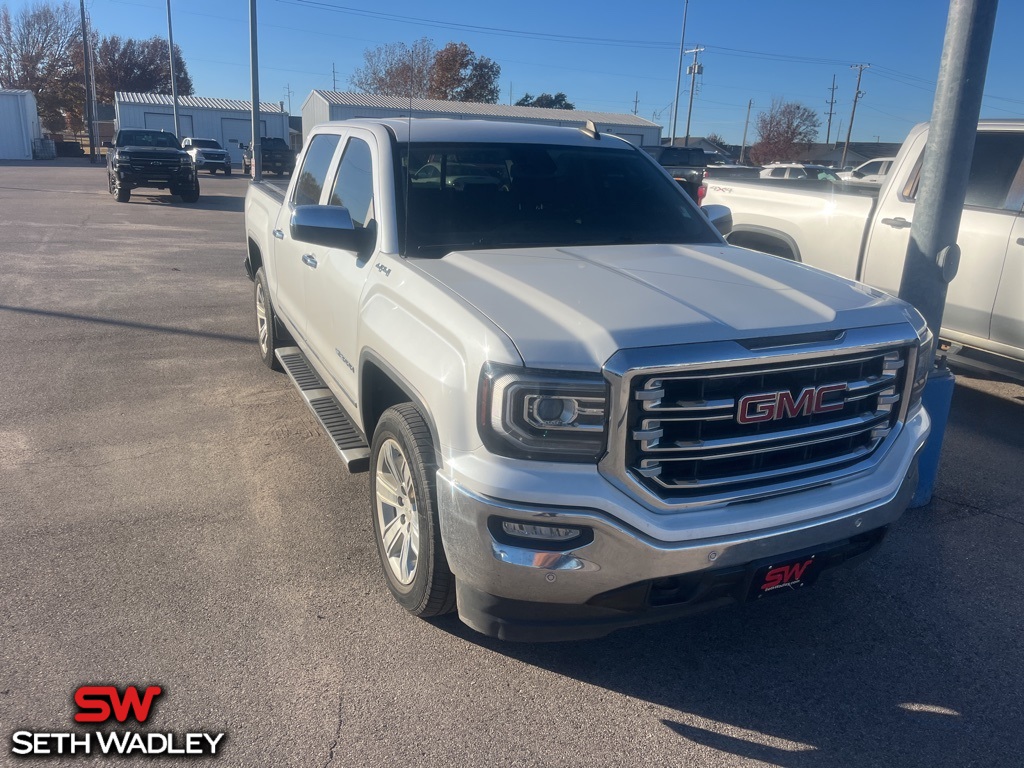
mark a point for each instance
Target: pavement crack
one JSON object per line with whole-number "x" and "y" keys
{"x": 337, "y": 732}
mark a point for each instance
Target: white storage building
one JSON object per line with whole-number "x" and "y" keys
{"x": 19, "y": 124}
{"x": 321, "y": 106}
{"x": 227, "y": 120}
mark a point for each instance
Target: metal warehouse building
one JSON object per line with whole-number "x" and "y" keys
{"x": 19, "y": 124}
{"x": 226, "y": 120}
{"x": 321, "y": 106}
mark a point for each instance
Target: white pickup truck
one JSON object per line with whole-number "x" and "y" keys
{"x": 580, "y": 409}
{"x": 862, "y": 232}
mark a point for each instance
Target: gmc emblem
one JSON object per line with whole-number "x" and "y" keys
{"x": 770, "y": 406}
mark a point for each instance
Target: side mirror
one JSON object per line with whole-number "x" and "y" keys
{"x": 328, "y": 225}
{"x": 108, "y": 144}
{"x": 720, "y": 217}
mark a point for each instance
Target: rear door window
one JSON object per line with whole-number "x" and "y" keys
{"x": 310, "y": 184}
{"x": 996, "y": 179}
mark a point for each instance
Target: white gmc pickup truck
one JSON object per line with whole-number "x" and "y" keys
{"x": 580, "y": 409}
{"x": 862, "y": 232}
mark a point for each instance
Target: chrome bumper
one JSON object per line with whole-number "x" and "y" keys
{"x": 527, "y": 593}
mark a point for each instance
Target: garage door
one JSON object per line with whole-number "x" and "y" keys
{"x": 161, "y": 121}
{"x": 237, "y": 132}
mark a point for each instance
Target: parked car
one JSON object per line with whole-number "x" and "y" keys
{"x": 208, "y": 155}
{"x": 277, "y": 156}
{"x": 798, "y": 171}
{"x": 141, "y": 157}
{"x": 579, "y": 408}
{"x": 871, "y": 172}
{"x": 685, "y": 164}
{"x": 862, "y": 231}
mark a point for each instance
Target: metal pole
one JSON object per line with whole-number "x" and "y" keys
{"x": 856, "y": 97}
{"x": 693, "y": 83}
{"x": 254, "y": 66}
{"x": 679, "y": 75}
{"x": 88, "y": 89}
{"x": 174, "y": 80}
{"x": 743, "y": 146}
{"x": 932, "y": 254}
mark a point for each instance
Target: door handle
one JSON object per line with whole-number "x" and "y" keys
{"x": 279, "y": 234}
{"x": 898, "y": 223}
{"x": 309, "y": 260}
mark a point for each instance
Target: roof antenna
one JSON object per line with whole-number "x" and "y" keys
{"x": 591, "y": 130}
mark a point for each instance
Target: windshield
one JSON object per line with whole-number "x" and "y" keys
{"x": 147, "y": 139}
{"x": 479, "y": 196}
{"x": 206, "y": 144}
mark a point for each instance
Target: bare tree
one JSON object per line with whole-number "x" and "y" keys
{"x": 396, "y": 69}
{"x": 784, "y": 132}
{"x": 37, "y": 53}
{"x": 460, "y": 75}
{"x": 137, "y": 66}
{"x": 716, "y": 139}
{"x": 546, "y": 100}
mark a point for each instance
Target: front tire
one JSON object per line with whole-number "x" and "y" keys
{"x": 227, "y": 171}
{"x": 403, "y": 496}
{"x": 122, "y": 193}
{"x": 267, "y": 337}
{"x": 190, "y": 195}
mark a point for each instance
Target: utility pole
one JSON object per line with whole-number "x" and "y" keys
{"x": 679, "y": 75}
{"x": 856, "y": 97}
{"x": 743, "y": 146}
{"x": 831, "y": 109}
{"x": 174, "y": 80}
{"x": 254, "y": 74}
{"x": 636, "y": 103}
{"x": 334, "y": 78}
{"x": 288, "y": 92}
{"x": 90, "y": 124}
{"x": 693, "y": 70}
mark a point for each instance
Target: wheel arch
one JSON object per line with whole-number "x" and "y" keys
{"x": 380, "y": 387}
{"x": 253, "y": 259}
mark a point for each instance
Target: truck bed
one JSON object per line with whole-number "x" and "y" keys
{"x": 801, "y": 210}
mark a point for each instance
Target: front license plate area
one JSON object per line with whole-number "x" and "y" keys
{"x": 786, "y": 575}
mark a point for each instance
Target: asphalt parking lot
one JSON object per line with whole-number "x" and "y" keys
{"x": 170, "y": 514}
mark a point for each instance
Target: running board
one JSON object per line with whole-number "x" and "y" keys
{"x": 346, "y": 438}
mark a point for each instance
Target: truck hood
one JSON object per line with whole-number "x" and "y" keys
{"x": 574, "y": 307}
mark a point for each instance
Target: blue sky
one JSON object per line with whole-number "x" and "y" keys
{"x": 602, "y": 54}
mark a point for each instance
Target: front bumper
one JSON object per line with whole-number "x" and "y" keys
{"x": 619, "y": 577}
{"x": 160, "y": 178}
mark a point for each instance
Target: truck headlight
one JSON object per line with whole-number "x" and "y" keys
{"x": 925, "y": 363}
{"x": 124, "y": 157}
{"x": 527, "y": 413}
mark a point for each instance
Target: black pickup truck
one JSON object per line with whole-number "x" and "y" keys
{"x": 686, "y": 164}
{"x": 147, "y": 158}
{"x": 277, "y": 157}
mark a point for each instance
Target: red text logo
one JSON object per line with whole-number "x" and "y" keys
{"x": 785, "y": 574}
{"x": 98, "y": 702}
{"x": 770, "y": 406}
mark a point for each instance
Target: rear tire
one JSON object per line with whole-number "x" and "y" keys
{"x": 403, "y": 498}
{"x": 190, "y": 195}
{"x": 267, "y": 338}
{"x": 227, "y": 171}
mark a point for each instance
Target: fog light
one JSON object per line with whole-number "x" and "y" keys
{"x": 541, "y": 532}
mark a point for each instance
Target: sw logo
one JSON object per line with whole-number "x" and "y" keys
{"x": 98, "y": 702}
{"x": 101, "y": 703}
{"x": 785, "y": 576}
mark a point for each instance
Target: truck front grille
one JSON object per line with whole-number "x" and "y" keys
{"x": 699, "y": 431}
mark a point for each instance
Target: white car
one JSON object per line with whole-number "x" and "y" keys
{"x": 207, "y": 155}
{"x": 871, "y": 172}
{"x": 798, "y": 171}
